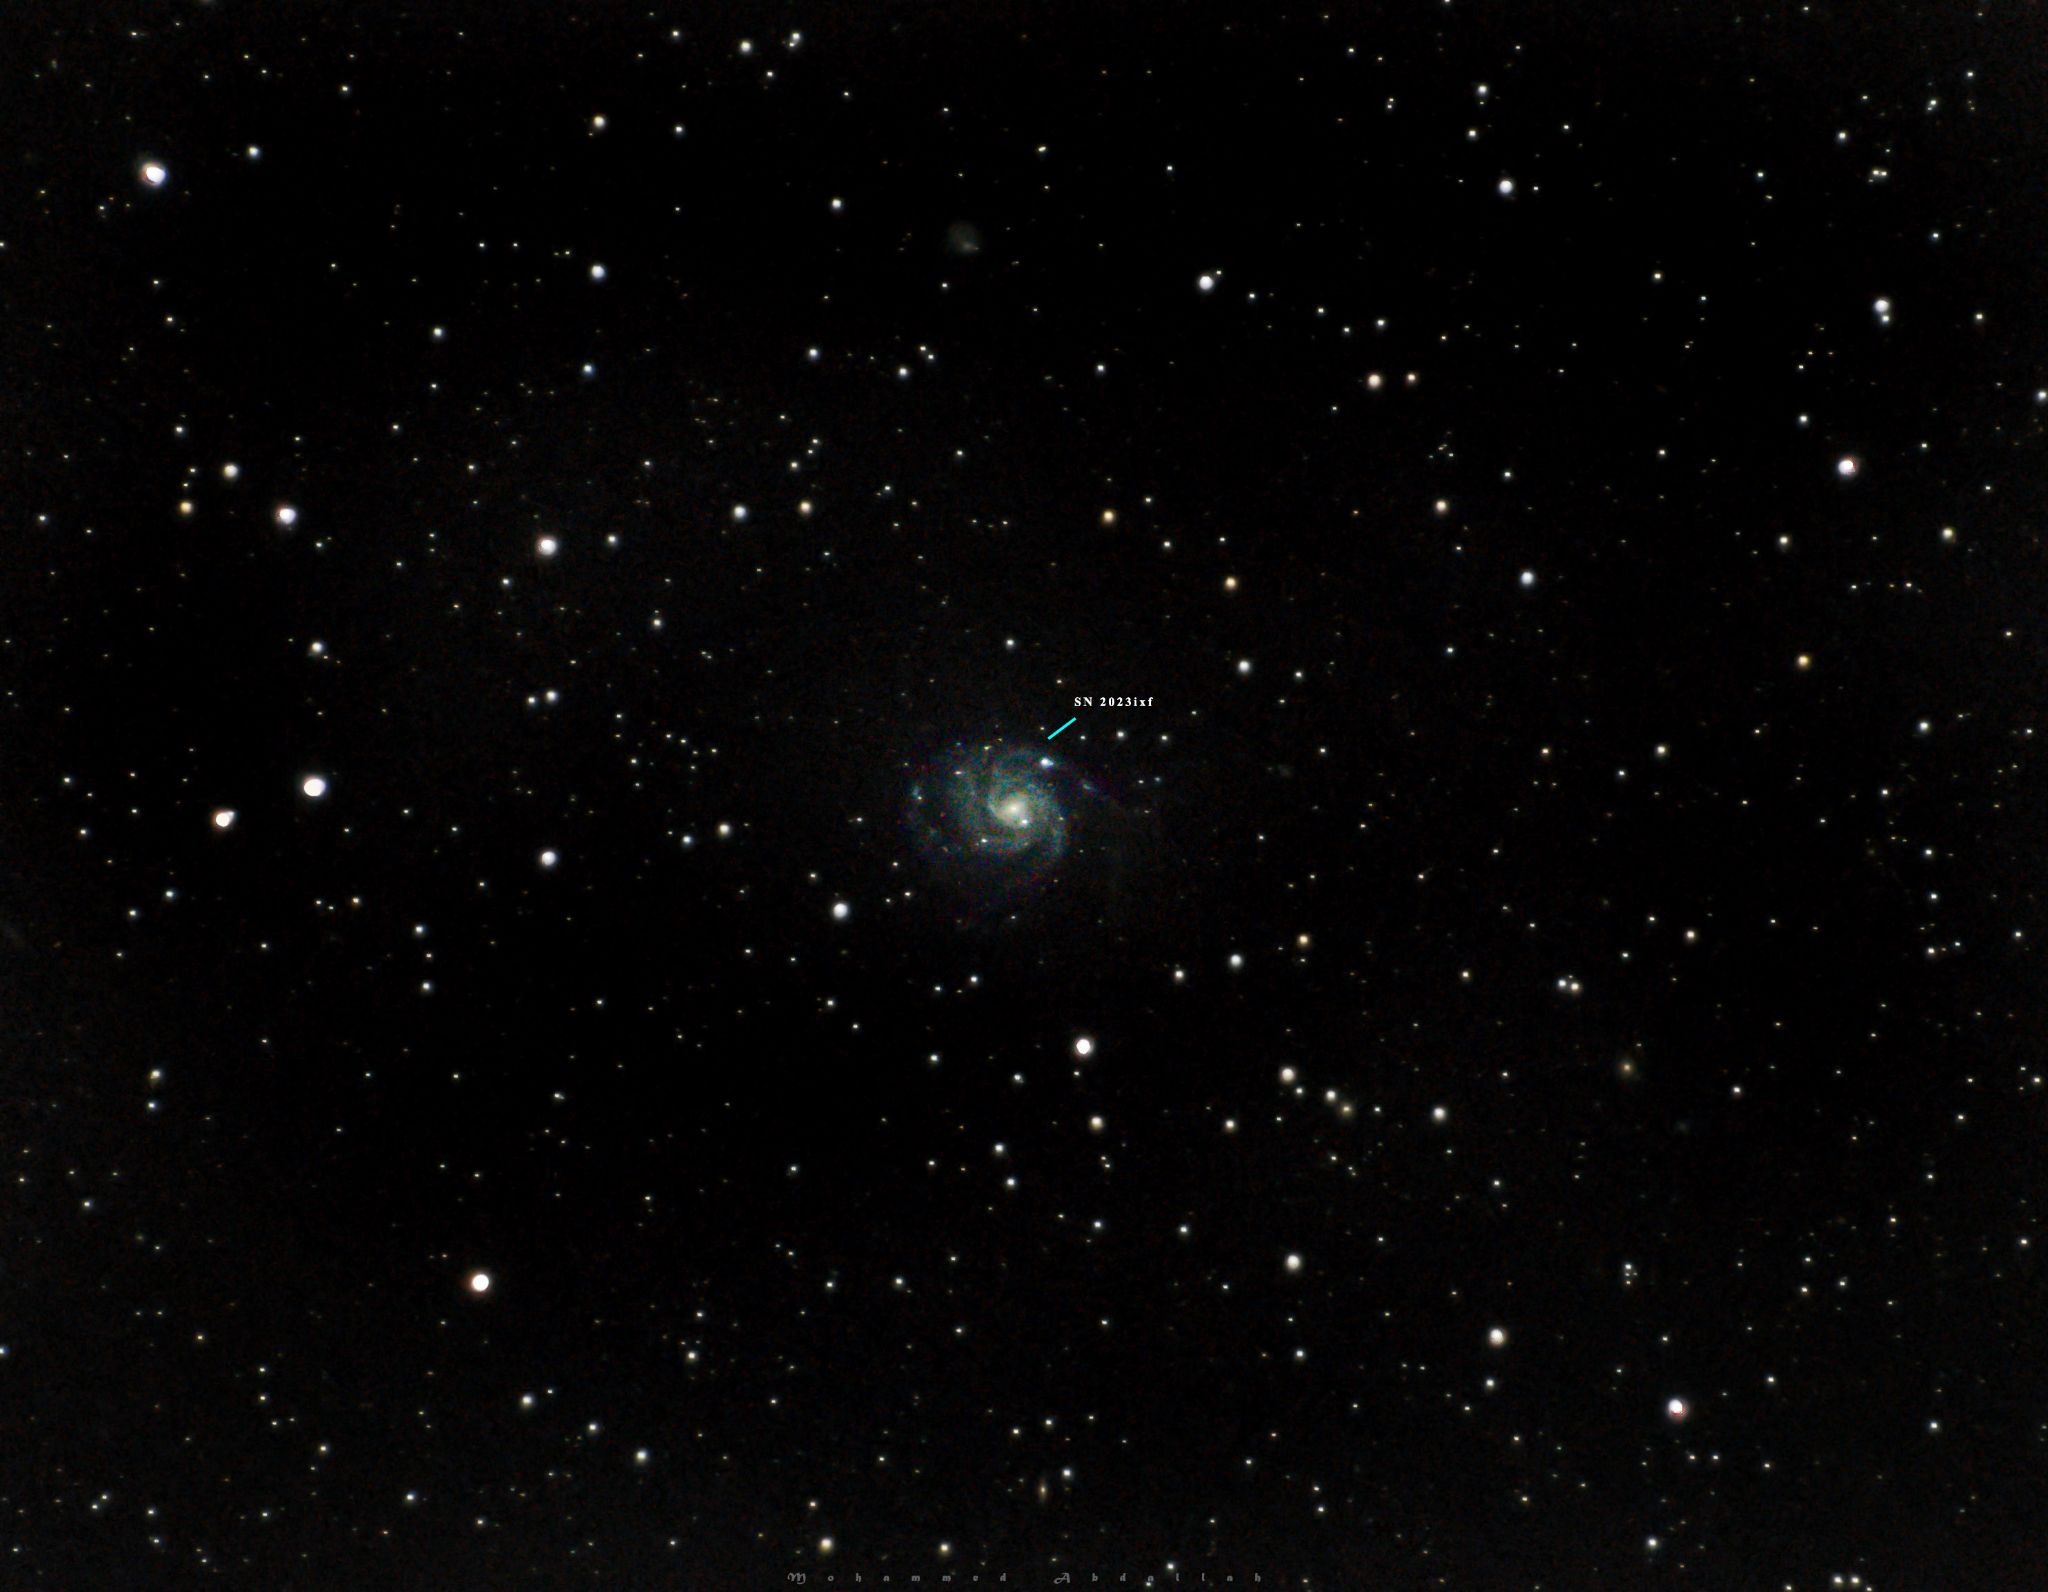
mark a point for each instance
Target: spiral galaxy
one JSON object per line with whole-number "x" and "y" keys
{"x": 998, "y": 820}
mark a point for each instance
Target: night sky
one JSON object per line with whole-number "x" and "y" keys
{"x": 570, "y": 1015}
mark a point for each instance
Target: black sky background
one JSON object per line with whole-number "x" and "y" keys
{"x": 1736, "y": 1042}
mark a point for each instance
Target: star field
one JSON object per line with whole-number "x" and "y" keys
{"x": 568, "y": 1021}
